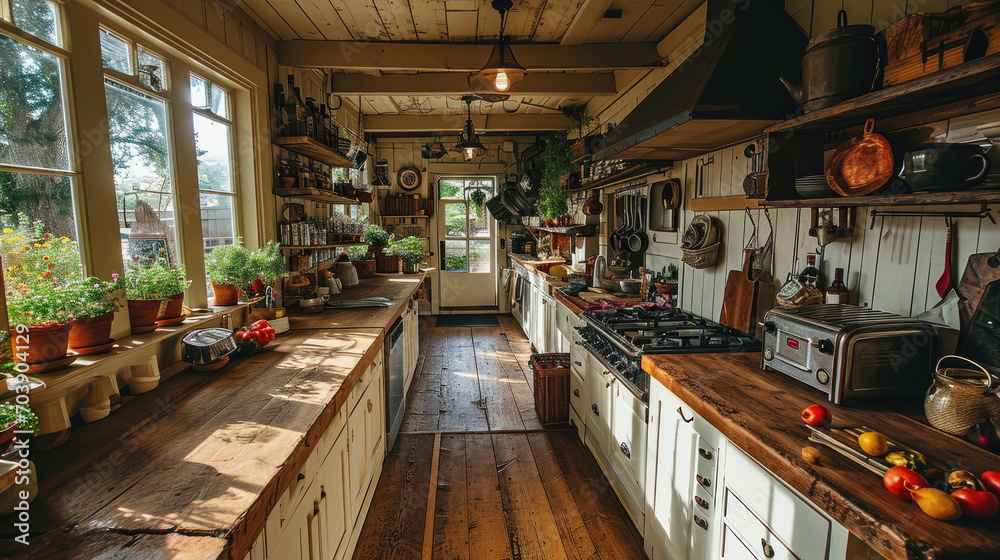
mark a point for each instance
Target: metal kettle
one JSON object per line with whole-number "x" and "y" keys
{"x": 838, "y": 65}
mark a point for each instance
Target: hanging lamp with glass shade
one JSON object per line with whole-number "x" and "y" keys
{"x": 468, "y": 140}
{"x": 502, "y": 69}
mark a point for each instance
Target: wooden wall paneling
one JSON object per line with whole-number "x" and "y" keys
{"x": 233, "y": 36}
{"x": 215, "y": 22}
{"x": 871, "y": 255}
{"x": 266, "y": 17}
{"x": 249, "y": 44}
{"x": 195, "y": 11}
{"x": 396, "y": 18}
{"x": 922, "y": 282}
{"x": 326, "y": 19}
{"x": 430, "y": 22}
{"x": 897, "y": 264}
{"x": 462, "y": 25}
{"x": 555, "y": 19}
{"x": 297, "y": 19}
{"x": 647, "y": 24}
{"x": 612, "y": 30}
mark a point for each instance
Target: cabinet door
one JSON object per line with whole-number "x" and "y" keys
{"x": 294, "y": 540}
{"x": 673, "y": 506}
{"x": 334, "y": 505}
{"x": 599, "y": 409}
{"x": 374, "y": 420}
{"x": 357, "y": 455}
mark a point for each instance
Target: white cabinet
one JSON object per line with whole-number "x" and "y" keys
{"x": 598, "y": 413}
{"x": 411, "y": 342}
{"x": 366, "y": 430}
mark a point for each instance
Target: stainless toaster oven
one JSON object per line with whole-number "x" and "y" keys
{"x": 850, "y": 352}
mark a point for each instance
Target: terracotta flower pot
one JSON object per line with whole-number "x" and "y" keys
{"x": 225, "y": 294}
{"x": 7, "y": 438}
{"x": 43, "y": 344}
{"x": 142, "y": 314}
{"x": 91, "y": 331}
{"x": 173, "y": 309}
{"x": 375, "y": 249}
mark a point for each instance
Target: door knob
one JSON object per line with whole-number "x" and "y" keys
{"x": 369, "y": 405}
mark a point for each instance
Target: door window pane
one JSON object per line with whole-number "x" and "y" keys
{"x": 455, "y": 259}
{"x": 212, "y": 144}
{"x": 479, "y": 226}
{"x": 116, "y": 52}
{"x": 32, "y": 121}
{"x": 455, "y": 219}
{"x": 451, "y": 188}
{"x": 479, "y": 256}
{"x": 38, "y": 17}
{"x": 140, "y": 153}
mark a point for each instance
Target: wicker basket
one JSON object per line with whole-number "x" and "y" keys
{"x": 365, "y": 268}
{"x": 551, "y": 387}
{"x": 701, "y": 258}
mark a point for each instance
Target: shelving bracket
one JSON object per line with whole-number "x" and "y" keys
{"x": 984, "y": 212}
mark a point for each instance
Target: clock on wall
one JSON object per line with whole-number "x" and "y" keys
{"x": 408, "y": 179}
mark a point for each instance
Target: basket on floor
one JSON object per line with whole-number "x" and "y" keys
{"x": 551, "y": 387}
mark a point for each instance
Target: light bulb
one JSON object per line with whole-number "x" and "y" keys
{"x": 470, "y": 154}
{"x": 501, "y": 82}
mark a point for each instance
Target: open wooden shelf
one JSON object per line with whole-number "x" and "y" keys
{"x": 914, "y": 199}
{"x": 415, "y": 216}
{"x": 303, "y": 145}
{"x": 316, "y": 195}
{"x": 631, "y": 173}
{"x": 331, "y": 246}
{"x": 960, "y": 83}
{"x": 570, "y": 229}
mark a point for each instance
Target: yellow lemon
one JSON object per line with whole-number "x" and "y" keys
{"x": 873, "y": 443}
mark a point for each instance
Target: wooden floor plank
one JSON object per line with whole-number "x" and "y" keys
{"x": 451, "y": 513}
{"x": 461, "y": 407}
{"x": 487, "y": 530}
{"x": 395, "y": 524}
{"x": 531, "y": 524}
{"x": 423, "y": 405}
{"x": 429, "y": 518}
{"x": 502, "y": 410}
{"x": 572, "y": 529}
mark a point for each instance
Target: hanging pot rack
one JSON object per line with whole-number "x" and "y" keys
{"x": 984, "y": 213}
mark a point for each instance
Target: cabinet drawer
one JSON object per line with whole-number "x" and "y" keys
{"x": 374, "y": 369}
{"x": 566, "y": 320}
{"x": 740, "y": 520}
{"x": 577, "y": 422}
{"x": 577, "y": 393}
{"x": 805, "y": 531}
{"x": 733, "y": 548}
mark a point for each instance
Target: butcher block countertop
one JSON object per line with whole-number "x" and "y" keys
{"x": 759, "y": 412}
{"x": 397, "y": 287}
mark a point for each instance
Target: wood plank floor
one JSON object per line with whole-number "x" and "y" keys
{"x": 473, "y": 475}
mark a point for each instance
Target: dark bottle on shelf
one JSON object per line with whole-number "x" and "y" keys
{"x": 280, "y": 111}
{"x": 311, "y": 112}
{"x": 295, "y": 110}
{"x": 837, "y": 292}
{"x": 810, "y": 274}
{"x": 324, "y": 119}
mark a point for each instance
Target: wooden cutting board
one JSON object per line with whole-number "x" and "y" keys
{"x": 740, "y": 295}
{"x": 977, "y": 276}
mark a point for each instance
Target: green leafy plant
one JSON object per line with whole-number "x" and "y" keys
{"x": 20, "y": 414}
{"x": 478, "y": 197}
{"x": 231, "y": 264}
{"x": 375, "y": 236}
{"x": 269, "y": 263}
{"x": 552, "y": 198}
{"x": 96, "y": 297}
{"x": 42, "y": 305}
{"x": 154, "y": 279}
{"x": 357, "y": 252}
{"x": 409, "y": 249}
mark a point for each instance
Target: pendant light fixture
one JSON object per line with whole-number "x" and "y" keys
{"x": 501, "y": 70}
{"x": 468, "y": 140}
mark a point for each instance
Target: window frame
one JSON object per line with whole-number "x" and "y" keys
{"x": 234, "y": 174}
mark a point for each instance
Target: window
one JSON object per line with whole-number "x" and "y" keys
{"x": 467, "y": 246}
{"x": 37, "y": 180}
{"x": 213, "y": 137}
{"x": 139, "y": 132}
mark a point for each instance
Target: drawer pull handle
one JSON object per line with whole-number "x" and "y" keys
{"x": 369, "y": 405}
{"x": 300, "y": 477}
{"x": 705, "y": 453}
{"x": 597, "y": 411}
{"x": 768, "y": 549}
{"x": 701, "y": 522}
{"x": 681, "y": 412}
{"x": 704, "y": 481}
{"x": 701, "y": 502}
{"x": 625, "y": 451}
{"x": 576, "y": 392}
{"x": 577, "y": 362}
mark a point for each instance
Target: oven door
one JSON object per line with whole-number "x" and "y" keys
{"x": 628, "y": 445}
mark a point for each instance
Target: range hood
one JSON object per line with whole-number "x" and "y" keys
{"x": 726, "y": 58}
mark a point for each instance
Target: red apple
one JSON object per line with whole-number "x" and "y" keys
{"x": 895, "y": 478}
{"x": 992, "y": 481}
{"x": 975, "y": 503}
{"x": 816, "y": 415}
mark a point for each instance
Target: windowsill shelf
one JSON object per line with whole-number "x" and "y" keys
{"x": 333, "y": 246}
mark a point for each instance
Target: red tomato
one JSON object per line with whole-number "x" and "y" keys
{"x": 259, "y": 325}
{"x": 992, "y": 481}
{"x": 816, "y": 415}
{"x": 975, "y": 503}
{"x": 895, "y": 478}
{"x": 239, "y": 335}
{"x": 270, "y": 331}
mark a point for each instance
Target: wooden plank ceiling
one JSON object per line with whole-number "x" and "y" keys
{"x": 363, "y": 23}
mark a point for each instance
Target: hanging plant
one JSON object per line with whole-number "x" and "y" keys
{"x": 552, "y": 199}
{"x": 478, "y": 197}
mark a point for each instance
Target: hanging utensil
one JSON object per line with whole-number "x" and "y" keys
{"x": 944, "y": 283}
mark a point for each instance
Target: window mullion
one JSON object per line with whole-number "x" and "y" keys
{"x": 9, "y": 29}
{"x": 5, "y": 11}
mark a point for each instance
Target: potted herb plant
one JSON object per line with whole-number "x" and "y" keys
{"x": 150, "y": 285}
{"x": 15, "y": 417}
{"x": 362, "y": 260}
{"x": 552, "y": 198}
{"x": 40, "y": 316}
{"x": 269, "y": 265}
{"x": 97, "y": 302}
{"x": 376, "y": 238}
{"x": 230, "y": 272}
{"x": 410, "y": 250}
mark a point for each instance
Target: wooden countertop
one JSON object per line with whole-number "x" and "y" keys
{"x": 573, "y": 303}
{"x": 397, "y": 287}
{"x": 200, "y": 461}
{"x": 759, "y": 412}
{"x": 530, "y": 261}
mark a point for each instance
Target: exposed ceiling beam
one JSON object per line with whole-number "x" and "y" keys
{"x": 584, "y": 21}
{"x": 450, "y": 124}
{"x": 457, "y": 57}
{"x": 453, "y": 83}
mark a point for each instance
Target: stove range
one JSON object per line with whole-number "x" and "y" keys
{"x": 618, "y": 338}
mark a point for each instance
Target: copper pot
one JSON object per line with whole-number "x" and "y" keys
{"x": 593, "y": 206}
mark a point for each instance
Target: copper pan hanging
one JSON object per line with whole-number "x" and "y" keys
{"x": 862, "y": 164}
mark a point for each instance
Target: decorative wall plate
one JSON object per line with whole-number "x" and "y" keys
{"x": 408, "y": 179}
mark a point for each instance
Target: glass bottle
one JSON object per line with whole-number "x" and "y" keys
{"x": 301, "y": 114}
{"x": 311, "y": 111}
{"x": 810, "y": 274}
{"x": 324, "y": 120}
{"x": 293, "y": 110}
{"x": 281, "y": 114}
{"x": 837, "y": 292}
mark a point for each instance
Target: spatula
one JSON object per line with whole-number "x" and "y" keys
{"x": 944, "y": 283}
